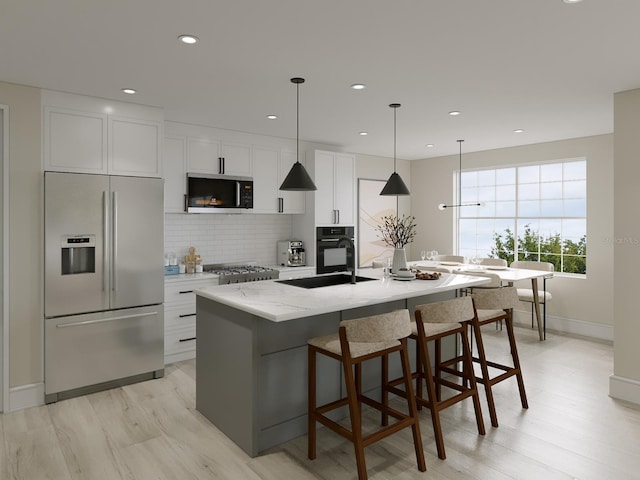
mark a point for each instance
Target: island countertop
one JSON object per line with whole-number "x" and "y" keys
{"x": 279, "y": 302}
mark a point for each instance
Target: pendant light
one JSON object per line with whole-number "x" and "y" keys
{"x": 298, "y": 179}
{"x": 395, "y": 185}
{"x": 442, "y": 206}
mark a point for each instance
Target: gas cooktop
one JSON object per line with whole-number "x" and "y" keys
{"x": 241, "y": 273}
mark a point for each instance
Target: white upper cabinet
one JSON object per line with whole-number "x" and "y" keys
{"x": 92, "y": 135}
{"x": 236, "y": 159}
{"x": 203, "y": 155}
{"x": 334, "y": 175}
{"x": 210, "y": 155}
{"x": 175, "y": 180}
{"x": 265, "y": 180}
{"x": 270, "y": 167}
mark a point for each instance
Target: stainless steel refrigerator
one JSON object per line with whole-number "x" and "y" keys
{"x": 104, "y": 282}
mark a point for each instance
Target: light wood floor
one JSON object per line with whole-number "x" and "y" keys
{"x": 151, "y": 430}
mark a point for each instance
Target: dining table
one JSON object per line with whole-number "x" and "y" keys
{"x": 508, "y": 276}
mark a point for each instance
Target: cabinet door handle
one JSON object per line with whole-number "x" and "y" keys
{"x": 186, "y": 202}
{"x": 338, "y": 213}
{"x": 186, "y": 291}
{"x": 220, "y": 165}
{"x": 186, "y": 339}
{"x": 187, "y": 315}
{"x": 280, "y": 204}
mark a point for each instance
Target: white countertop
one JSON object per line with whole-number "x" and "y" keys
{"x": 279, "y": 302}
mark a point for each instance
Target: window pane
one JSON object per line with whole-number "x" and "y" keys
{"x": 505, "y": 209}
{"x": 486, "y": 177}
{"x": 506, "y": 192}
{"x": 505, "y": 176}
{"x": 529, "y": 174}
{"x": 575, "y": 208}
{"x": 529, "y": 208}
{"x": 529, "y": 191}
{"x": 551, "y": 208}
{"x": 551, "y": 190}
{"x": 575, "y": 189}
{"x": 575, "y": 171}
{"x": 550, "y": 172}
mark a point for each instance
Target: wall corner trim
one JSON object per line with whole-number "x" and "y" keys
{"x": 623, "y": 388}
{"x": 26, "y": 396}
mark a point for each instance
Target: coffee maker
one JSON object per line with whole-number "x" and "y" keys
{"x": 291, "y": 253}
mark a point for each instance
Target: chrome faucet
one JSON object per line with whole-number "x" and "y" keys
{"x": 350, "y": 245}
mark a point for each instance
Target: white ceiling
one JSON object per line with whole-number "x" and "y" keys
{"x": 541, "y": 65}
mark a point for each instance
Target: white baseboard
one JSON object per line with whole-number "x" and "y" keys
{"x": 624, "y": 389}
{"x": 25, "y": 396}
{"x": 567, "y": 325}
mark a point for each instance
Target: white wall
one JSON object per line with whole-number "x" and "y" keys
{"x": 25, "y": 234}
{"x": 585, "y": 304}
{"x": 625, "y": 383}
{"x": 221, "y": 238}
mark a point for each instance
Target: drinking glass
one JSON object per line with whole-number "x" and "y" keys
{"x": 433, "y": 255}
{"x": 423, "y": 254}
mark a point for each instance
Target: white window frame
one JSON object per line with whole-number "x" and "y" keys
{"x": 564, "y": 220}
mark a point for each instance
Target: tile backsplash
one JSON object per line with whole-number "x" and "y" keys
{"x": 222, "y": 238}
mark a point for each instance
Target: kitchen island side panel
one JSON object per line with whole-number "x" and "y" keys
{"x": 226, "y": 367}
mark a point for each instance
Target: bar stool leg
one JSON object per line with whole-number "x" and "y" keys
{"x": 355, "y": 416}
{"x": 516, "y": 361}
{"x": 311, "y": 399}
{"x": 484, "y": 368}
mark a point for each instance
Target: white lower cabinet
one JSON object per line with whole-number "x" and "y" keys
{"x": 180, "y": 315}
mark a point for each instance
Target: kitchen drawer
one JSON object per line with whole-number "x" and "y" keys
{"x": 180, "y": 340}
{"x": 180, "y": 317}
{"x": 176, "y": 293}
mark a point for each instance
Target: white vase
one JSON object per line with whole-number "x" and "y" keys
{"x": 399, "y": 260}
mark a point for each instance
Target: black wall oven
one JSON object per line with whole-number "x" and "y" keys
{"x": 335, "y": 249}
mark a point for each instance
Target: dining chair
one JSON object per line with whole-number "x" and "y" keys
{"x": 357, "y": 341}
{"x": 527, "y": 295}
{"x": 433, "y": 323}
{"x": 493, "y": 262}
{"x": 450, "y": 258}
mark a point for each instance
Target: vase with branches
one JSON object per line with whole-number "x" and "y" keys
{"x": 397, "y": 232}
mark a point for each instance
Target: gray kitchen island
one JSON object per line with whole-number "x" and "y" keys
{"x": 251, "y": 353}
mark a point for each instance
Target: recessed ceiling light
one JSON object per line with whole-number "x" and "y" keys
{"x": 272, "y": 117}
{"x": 571, "y": 1}
{"x": 188, "y": 39}
{"x": 429, "y": 145}
{"x": 518, "y": 130}
{"x": 129, "y": 91}
{"x": 453, "y": 113}
{"x": 358, "y": 86}
{"x": 364, "y": 134}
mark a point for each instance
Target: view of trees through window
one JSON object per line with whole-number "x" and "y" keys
{"x": 529, "y": 212}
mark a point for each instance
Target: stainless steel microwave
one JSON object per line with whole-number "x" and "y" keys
{"x": 210, "y": 193}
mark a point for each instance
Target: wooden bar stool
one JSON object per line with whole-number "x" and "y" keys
{"x": 496, "y": 305}
{"x": 435, "y": 321}
{"x": 357, "y": 341}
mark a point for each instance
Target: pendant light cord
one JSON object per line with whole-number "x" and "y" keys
{"x": 460, "y": 173}
{"x": 297, "y": 122}
{"x": 394, "y": 140}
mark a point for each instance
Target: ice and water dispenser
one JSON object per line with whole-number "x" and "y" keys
{"x": 78, "y": 254}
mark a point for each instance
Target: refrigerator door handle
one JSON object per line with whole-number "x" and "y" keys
{"x": 102, "y": 320}
{"x": 114, "y": 254}
{"x": 237, "y": 194}
{"x": 105, "y": 247}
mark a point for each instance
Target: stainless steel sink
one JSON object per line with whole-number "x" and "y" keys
{"x": 323, "y": 281}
